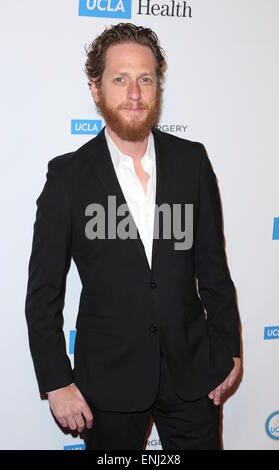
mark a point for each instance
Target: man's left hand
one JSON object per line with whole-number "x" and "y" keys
{"x": 217, "y": 393}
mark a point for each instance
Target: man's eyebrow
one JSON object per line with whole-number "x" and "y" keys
{"x": 126, "y": 73}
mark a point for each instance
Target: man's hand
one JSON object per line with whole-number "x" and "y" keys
{"x": 217, "y": 393}
{"x": 69, "y": 407}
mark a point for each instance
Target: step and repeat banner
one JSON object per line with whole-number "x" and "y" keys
{"x": 221, "y": 89}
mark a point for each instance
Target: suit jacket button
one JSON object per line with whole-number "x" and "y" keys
{"x": 153, "y": 328}
{"x": 153, "y": 284}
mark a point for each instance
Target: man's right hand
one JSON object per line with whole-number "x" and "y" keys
{"x": 69, "y": 407}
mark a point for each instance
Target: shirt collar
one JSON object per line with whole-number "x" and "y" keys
{"x": 121, "y": 160}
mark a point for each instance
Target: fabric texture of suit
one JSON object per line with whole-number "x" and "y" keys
{"x": 125, "y": 306}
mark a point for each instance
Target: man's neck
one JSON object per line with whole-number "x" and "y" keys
{"x": 134, "y": 149}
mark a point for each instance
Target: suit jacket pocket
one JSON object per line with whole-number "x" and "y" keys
{"x": 194, "y": 309}
{"x": 101, "y": 324}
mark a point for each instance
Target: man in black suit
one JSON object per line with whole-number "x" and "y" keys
{"x": 157, "y": 326}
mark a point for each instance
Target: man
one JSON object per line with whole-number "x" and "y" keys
{"x": 151, "y": 341}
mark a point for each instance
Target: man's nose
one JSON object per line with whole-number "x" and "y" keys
{"x": 134, "y": 91}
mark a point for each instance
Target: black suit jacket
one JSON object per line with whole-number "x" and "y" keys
{"x": 124, "y": 305}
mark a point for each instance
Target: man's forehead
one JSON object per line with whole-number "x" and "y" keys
{"x": 128, "y": 64}
{"x": 126, "y": 55}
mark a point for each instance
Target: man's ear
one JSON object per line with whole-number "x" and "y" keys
{"x": 94, "y": 91}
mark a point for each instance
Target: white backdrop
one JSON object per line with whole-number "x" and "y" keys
{"x": 222, "y": 86}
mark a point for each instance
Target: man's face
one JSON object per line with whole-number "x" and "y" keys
{"x": 129, "y": 97}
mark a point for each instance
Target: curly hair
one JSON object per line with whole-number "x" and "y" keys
{"x": 119, "y": 34}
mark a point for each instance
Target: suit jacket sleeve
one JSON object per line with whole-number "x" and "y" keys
{"x": 216, "y": 288}
{"x": 48, "y": 266}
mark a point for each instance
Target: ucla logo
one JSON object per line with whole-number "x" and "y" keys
{"x": 105, "y": 8}
{"x": 272, "y": 426}
{"x": 85, "y": 126}
{"x": 271, "y": 332}
{"x": 275, "y": 235}
{"x": 72, "y": 341}
{"x": 75, "y": 447}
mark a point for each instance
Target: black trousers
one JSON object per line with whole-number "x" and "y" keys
{"x": 181, "y": 425}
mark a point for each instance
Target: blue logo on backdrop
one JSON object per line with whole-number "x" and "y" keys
{"x": 72, "y": 341}
{"x": 272, "y": 426}
{"x": 271, "y": 332}
{"x": 86, "y": 126}
{"x": 75, "y": 447}
{"x": 275, "y": 229}
{"x": 106, "y": 8}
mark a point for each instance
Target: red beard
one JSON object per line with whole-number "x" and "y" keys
{"x": 135, "y": 129}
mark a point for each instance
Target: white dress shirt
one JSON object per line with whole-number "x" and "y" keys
{"x": 140, "y": 204}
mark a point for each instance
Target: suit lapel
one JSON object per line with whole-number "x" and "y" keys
{"x": 106, "y": 173}
{"x": 163, "y": 172}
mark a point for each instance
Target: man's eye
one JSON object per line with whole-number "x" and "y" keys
{"x": 118, "y": 79}
{"x": 146, "y": 79}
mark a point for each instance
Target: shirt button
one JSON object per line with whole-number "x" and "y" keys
{"x": 153, "y": 328}
{"x": 153, "y": 284}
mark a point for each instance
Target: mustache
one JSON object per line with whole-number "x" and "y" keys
{"x": 139, "y": 106}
